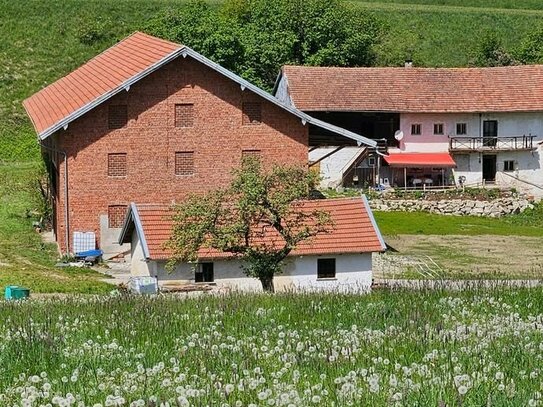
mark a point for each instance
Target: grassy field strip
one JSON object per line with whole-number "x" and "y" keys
{"x": 389, "y": 348}
{"x": 434, "y": 8}
{"x": 24, "y": 259}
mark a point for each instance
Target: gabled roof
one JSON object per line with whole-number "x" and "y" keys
{"x": 119, "y": 67}
{"x": 354, "y": 230}
{"x": 415, "y": 90}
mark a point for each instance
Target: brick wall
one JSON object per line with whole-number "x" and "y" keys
{"x": 212, "y": 129}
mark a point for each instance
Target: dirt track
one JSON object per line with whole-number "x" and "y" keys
{"x": 484, "y": 256}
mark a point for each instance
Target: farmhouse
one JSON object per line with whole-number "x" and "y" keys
{"x": 340, "y": 259}
{"x": 150, "y": 121}
{"x": 435, "y": 126}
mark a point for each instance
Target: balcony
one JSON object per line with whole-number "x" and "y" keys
{"x": 484, "y": 144}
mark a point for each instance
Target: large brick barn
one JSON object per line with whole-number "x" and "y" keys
{"x": 150, "y": 121}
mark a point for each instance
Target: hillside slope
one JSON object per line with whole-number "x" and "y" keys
{"x": 42, "y": 41}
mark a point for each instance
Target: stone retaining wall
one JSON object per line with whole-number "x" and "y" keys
{"x": 455, "y": 207}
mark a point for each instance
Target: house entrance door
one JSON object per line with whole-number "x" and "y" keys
{"x": 489, "y": 168}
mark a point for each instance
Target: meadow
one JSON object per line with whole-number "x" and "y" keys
{"x": 429, "y": 348}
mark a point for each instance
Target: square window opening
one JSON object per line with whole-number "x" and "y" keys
{"x": 184, "y": 163}
{"x": 116, "y": 165}
{"x": 509, "y": 166}
{"x": 326, "y": 268}
{"x": 117, "y": 116}
{"x": 251, "y": 113}
{"x": 204, "y": 273}
{"x": 461, "y": 129}
{"x": 416, "y": 129}
{"x": 184, "y": 115}
{"x": 438, "y": 128}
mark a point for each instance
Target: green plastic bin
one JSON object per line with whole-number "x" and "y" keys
{"x": 14, "y": 292}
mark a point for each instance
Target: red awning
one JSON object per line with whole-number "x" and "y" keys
{"x": 417, "y": 160}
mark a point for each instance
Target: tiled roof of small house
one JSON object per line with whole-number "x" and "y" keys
{"x": 416, "y": 90}
{"x": 354, "y": 230}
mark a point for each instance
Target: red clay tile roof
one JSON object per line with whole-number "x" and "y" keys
{"x": 97, "y": 78}
{"x": 353, "y": 230}
{"x": 424, "y": 90}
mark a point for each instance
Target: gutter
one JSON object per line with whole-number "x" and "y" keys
{"x": 66, "y": 211}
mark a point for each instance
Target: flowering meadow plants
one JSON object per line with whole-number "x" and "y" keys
{"x": 412, "y": 348}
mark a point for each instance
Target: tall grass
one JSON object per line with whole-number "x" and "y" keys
{"x": 402, "y": 348}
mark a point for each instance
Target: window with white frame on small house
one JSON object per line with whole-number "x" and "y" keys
{"x": 509, "y": 165}
{"x": 416, "y": 129}
{"x": 326, "y": 268}
{"x": 438, "y": 129}
{"x": 461, "y": 129}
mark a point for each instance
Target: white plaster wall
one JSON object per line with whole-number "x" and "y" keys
{"x": 468, "y": 165}
{"x": 509, "y": 124}
{"x": 353, "y": 273}
{"x": 138, "y": 266}
{"x": 332, "y": 168}
{"x": 428, "y": 141}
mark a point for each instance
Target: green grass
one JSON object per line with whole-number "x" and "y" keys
{"x": 426, "y": 348}
{"x": 421, "y": 223}
{"x": 487, "y": 4}
{"x": 24, "y": 259}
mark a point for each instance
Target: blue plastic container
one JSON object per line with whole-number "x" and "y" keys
{"x": 14, "y": 292}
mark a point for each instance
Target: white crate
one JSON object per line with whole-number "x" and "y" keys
{"x": 143, "y": 285}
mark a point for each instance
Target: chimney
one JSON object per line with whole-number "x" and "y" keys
{"x": 408, "y": 63}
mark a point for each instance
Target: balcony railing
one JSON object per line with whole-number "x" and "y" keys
{"x": 491, "y": 143}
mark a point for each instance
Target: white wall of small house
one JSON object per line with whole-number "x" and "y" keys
{"x": 138, "y": 266}
{"x": 353, "y": 273}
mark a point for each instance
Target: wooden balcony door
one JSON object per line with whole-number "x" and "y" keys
{"x": 490, "y": 133}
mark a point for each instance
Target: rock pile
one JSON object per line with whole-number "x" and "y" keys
{"x": 455, "y": 207}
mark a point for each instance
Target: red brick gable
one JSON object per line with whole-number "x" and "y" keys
{"x": 416, "y": 90}
{"x": 100, "y": 76}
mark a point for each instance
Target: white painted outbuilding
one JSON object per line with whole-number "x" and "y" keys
{"x": 340, "y": 260}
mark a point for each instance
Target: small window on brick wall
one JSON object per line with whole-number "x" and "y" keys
{"x": 117, "y": 116}
{"x": 184, "y": 115}
{"x": 252, "y": 113}
{"x": 184, "y": 163}
{"x": 115, "y": 215}
{"x": 116, "y": 165}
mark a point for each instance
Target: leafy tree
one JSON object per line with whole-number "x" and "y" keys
{"x": 531, "y": 48}
{"x": 199, "y": 26}
{"x": 490, "y": 52}
{"x": 235, "y": 220}
{"x": 254, "y": 38}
